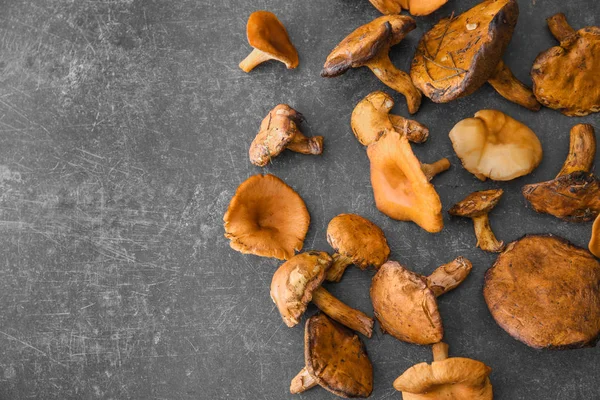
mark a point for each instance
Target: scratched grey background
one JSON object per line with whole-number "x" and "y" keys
{"x": 124, "y": 129}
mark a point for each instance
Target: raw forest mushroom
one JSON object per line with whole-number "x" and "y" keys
{"x": 298, "y": 281}
{"x": 405, "y": 303}
{"x": 477, "y": 206}
{"x": 335, "y": 358}
{"x": 357, "y": 241}
{"x": 594, "y": 245}
{"x": 566, "y": 77}
{"x": 415, "y": 7}
{"x": 574, "y": 195}
{"x": 369, "y": 46}
{"x": 266, "y": 218}
{"x": 279, "y": 131}
{"x": 459, "y": 54}
{"x": 270, "y": 40}
{"x": 496, "y": 146}
{"x": 545, "y": 292}
{"x": 455, "y": 378}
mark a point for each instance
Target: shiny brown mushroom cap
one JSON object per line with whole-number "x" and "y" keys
{"x": 477, "y": 203}
{"x": 267, "y": 218}
{"x": 359, "y": 239}
{"x": 336, "y": 357}
{"x": 276, "y": 130}
{"x": 545, "y": 292}
{"x": 294, "y": 282}
{"x": 266, "y": 33}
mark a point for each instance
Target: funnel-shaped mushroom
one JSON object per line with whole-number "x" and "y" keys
{"x": 279, "y": 131}
{"x": 566, "y": 77}
{"x": 267, "y": 218}
{"x": 545, "y": 292}
{"x": 574, "y": 195}
{"x": 496, "y": 146}
{"x": 476, "y": 206}
{"x": 267, "y": 35}
{"x": 405, "y": 303}
{"x": 459, "y": 54}
{"x": 455, "y": 378}
{"x": 415, "y": 7}
{"x": 594, "y": 245}
{"x": 335, "y": 358}
{"x": 369, "y": 46}
{"x": 298, "y": 281}
{"x": 357, "y": 241}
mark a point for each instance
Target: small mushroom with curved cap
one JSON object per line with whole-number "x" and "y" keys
{"x": 357, "y": 241}
{"x": 566, "y": 77}
{"x": 298, "y": 281}
{"x": 415, "y": 7}
{"x": 369, "y": 46}
{"x": 270, "y": 40}
{"x": 455, "y": 378}
{"x": 594, "y": 244}
{"x": 266, "y": 218}
{"x": 405, "y": 302}
{"x": 335, "y": 359}
{"x": 496, "y": 146}
{"x": 477, "y": 206}
{"x": 279, "y": 131}
{"x": 574, "y": 195}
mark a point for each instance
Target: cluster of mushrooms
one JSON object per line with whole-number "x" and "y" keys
{"x": 542, "y": 290}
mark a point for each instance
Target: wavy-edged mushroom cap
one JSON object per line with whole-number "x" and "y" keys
{"x": 545, "y": 292}
{"x": 415, "y": 7}
{"x": 477, "y": 203}
{"x": 496, "y": 146}
{"x": 295, "y": 280}
{"x": 266, "y": 218}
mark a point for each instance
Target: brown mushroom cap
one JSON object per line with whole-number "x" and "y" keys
{"x": 267, "y": 218}
{"x": 594, "y": 244}
{"x": 266, "y": 33}
{"x": 477, "y": 203}
{"x": 415, "y": 7}
{"x": 545, "y": 292}
{"x": 294, "y": 282}
{"x": 358, "y": 239}
{"x": 336, "y": 357}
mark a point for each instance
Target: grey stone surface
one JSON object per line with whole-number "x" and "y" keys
{"x": 124, "y": 130}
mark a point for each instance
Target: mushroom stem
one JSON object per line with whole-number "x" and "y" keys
{"x": 449, "y": 276}
{"x": 352, "y": 318}
{"x": 559, "y": 27}
{"x": 336, "y": 270}
{"x": 582, "y": 150}
{"x": 486, "y": 240}
{"x": 302, "y": 382}
{"x": 414, "y": 131}
{"x": 509, "y": 87}
{"x": 440, "y": 351}
{"x": 398, "y": 80}
{"x": 306, "y": 145}
{"x": 431, "y": 170}
{"x": 255, "y": 58}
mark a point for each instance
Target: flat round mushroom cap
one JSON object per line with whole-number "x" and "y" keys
{"x": 545, "y": 292}
{"x": 266, "y": 218}
{"x": 276, "y": 130}
{"x": 365, "y": 43}
{"x": 454, "y": 378}
{"x": 477, "y": 203}
{"x": 459, "y": 55}
{"x": 405, "y": 306}
{"x": 336, "y": 357}
{"x": 267, "y": 34}
{"x": 359, "y": 239}
{"x": 295, "y": 280}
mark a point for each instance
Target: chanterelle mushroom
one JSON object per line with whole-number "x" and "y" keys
{"x": 357, "y": 241}
{"x": 496, "y": 146}
{"x": 369, "y": 46}
{"x": 335, "y": 358}
{"x": 415, "y": 7}
{"x": 405, "y": 302}
{"x": 279, "y": 131}
{"x": 545, "y": 292}
{"x": 476, "y": 206}
{"x": 594, "y": 244}
{"x": 459, "y": 54}
{"x": 566, "y": 77}
{"x": 270, "y": 40}
{"x": 267, "y": 218}
{"x": 574, "y": 195}
{"x": 455, "y": 378}
{"x": 298, "y": 281}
